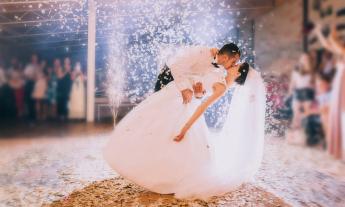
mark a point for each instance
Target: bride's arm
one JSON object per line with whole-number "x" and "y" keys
{"x": 218, "y": 91}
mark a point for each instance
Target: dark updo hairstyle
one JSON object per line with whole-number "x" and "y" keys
{"x": 230, "y": 49}
{"x": 244, "y": 69}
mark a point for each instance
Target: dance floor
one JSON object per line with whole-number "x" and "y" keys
{"x": 48, "y": 166}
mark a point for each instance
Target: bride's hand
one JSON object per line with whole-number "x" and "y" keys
{"x": 183, "y": 132}
{"x": 179, "y": 137}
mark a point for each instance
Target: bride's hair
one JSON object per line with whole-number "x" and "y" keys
{"x": 244, "y": 69}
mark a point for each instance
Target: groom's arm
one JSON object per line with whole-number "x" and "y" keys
{"x": 182, "y": 68}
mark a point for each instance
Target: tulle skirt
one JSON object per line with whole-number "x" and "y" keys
{"x": 204, "y": 164}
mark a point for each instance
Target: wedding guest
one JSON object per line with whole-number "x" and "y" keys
{"x": 336, "y": 120}
{"x": 39, "y": 95}
{"x": 302, "y": 88}
{"x": 3, "y": 78}
{"x": 323, "y": 85}
{"x": 42, "y": 65}
{"x": 63, "y": 89}
{"x": 14, "y": 65}
{"x": 67, "y": 65}
{"x": 51, "y": 92}
{"x": 327, "y": 66}
{"x": 3, "y": 82}
{"x": 77, "y": 100}
{"x": 30, "y": 74}
{"x": 7, "y": 98}
{"x": 16, "y": 82}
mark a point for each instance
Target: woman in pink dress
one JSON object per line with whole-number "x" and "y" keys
{"x": 336, "y": 125}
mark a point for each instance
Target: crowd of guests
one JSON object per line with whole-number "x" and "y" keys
{"x": 316, "y": 95}
{"x": 41, "y": 91}
{"x": 309, "y": 95}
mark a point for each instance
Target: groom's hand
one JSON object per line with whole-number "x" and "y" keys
{"x": 198, "y": 90}
{"x": 187, "y": 95}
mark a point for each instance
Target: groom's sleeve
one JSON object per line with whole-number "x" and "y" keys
{"x": 181, "y": 67}
{"x": 181, "y": 76}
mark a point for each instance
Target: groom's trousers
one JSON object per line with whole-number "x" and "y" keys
{"x": 164, "y": 78}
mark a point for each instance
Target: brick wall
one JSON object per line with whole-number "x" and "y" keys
{"x": 326, "y": 13}
{"x": 278, "y": 38}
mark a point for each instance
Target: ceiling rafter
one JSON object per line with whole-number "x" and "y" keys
{"x": 43, "y": 28}
{"x": 117, "y": 15}
{"x": 40, "y": 21}
{"x": 28, "y": 2}
{"x": 6, "y": 28}
{"x": 56, "y": 33}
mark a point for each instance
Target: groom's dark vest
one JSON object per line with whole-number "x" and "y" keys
{"x": 164, "y": 78}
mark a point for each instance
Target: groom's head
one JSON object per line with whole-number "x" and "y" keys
{"x": 228, "y": 55}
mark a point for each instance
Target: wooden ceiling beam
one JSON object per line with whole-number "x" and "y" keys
{"x": 33, "y": 2}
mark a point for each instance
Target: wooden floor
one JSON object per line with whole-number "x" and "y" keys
{"x": 23, "y": 128}
{"x": 60, "y": 164}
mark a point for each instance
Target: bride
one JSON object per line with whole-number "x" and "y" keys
{"x": 166, "y": 147}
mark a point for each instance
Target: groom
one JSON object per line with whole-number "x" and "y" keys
{"x": 195, "y": 61}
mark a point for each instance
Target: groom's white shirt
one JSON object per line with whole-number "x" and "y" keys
{"x": 188, "y": 63}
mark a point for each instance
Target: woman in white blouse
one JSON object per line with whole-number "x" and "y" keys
{"x": 302, "y": 88}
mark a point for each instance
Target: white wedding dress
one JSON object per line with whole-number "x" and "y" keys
{"x": 205, "y": 163}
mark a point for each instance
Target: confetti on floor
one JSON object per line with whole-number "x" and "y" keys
{"x": 70, "y": 171}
